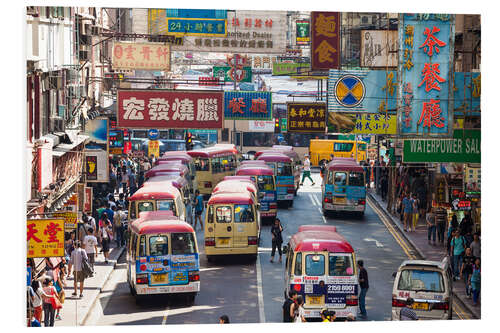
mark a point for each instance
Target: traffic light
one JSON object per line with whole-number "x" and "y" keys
{"x": 277, "y": 128}
{"x": 189, "y": 141}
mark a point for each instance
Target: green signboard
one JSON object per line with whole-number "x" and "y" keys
{"x": 223, "y": 71}
{"x": 284, "y": 125}
{"x": 290, "y": 68}
{"x": 303, "y": 27}
{"x": 464, "y": 147}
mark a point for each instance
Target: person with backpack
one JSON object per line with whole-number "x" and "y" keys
{"x": 457, "y": 249}
{"x": 118, "y": 226}
{"x": 297, "y": 310}
{"x": 466, "y": 271}
{"x": 453, "y": 226}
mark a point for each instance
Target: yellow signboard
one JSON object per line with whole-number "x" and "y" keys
{"x": 45, "y": 238}
{"x": 154, "y": 148}
{"x": 70, "y": 219}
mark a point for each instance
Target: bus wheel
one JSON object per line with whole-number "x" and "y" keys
{"x": 361, "y": 215}
{"x": 290, "y": 203}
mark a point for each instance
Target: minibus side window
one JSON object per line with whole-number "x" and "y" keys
{"x": 142, "y": 246}
{"x": 315, "y": 264}
{"x": 215, "y": 161}
{"x": 330, "y": 178}
{"x": 183, "y": 243}
{"x": 243, "y": 213}
{"x": 223, "y": 214}
{"x": 210, "y": 214}
{"x": 340, "y": 178}
{"x": 340, "y": 265}
{"x": 134, "y": 246}
{"x": 158, "y": 245}
{"x": 145, "y": 206}
{"x": 298, "y": 264}
{"x": 131, "y": 207}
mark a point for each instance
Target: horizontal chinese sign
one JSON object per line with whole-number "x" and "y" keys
{"x": 379, "y": 48}
{"x": 247, "y": 105}
{"x": 70, "y": 219}
{"x": 261, "y": 126}
{"x": 248, "y": 31}
{"x": 45, "y": 238}
{"x": 148, "y": 56}
{"x": 368, "y": 91}
{"x": 196, "y": 27}
{"x": 361, "y": 123}
{"x": 302, "y": 32}
{"x": 287, "y": 68}
{"x": 187, "y": 22}
{"x": 325, "y": 47}
{"x": 306, "y": 117}
{"x": 169, "y": 109}
{"x": 465, "y": 147}
{"x": 467, "y": 94}
{"x": 224, "y": 72}
{"x": 425, "y": 68}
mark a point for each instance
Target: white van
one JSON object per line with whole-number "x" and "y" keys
{"x": 429, "y": 283}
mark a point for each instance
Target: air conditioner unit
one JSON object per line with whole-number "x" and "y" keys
{"x": 83, "y": 55}
{"x": 85, "y": 40}
{"x": 72, "y": 75}
{"x": 57, "y": 124}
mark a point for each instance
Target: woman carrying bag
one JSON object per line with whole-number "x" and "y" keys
{"x": 105, "y": 235}
{"x": 50, "y": 304}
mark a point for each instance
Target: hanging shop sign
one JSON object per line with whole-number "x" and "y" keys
{"x": 364, "y": 91}
{"x": 248, "y": 31}
{"x": 306, "y": 117}
{"x": 361, "y": 123}
{"x": 325, "y": 34}
{"x": 169, "y": 109}
{"x": 44, "y": 167}
{"x": 115, "y": 139}
{"x": 208, "y": 81}
{"x": 187, "y": 22}
{"x": 87, "y": 201}
{"x": 379, "y": 48}
{"x": 464, "y": 147}
{"x": 467, "y": 94}
{"x": 425, "y": 68}
{"x": 247, "y": 105}
{"x": 261, "y": 126}
{"x": 243, "y": 74}
{"x": 148, "y": 56}
{"x": 96, "y": 166}
{"x": 463, "y": 205}
{"x": 45, "y": 238}
{"x": 302, "y": 32}
{"x": 154, "y": 148}
{"x": 262, "y": 61}
{"x": 286, "y": 68}
{"x": 472, "y": 179}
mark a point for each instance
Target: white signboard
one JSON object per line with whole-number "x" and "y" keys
{"x": 248, "y": 31}
{"x": 261, "y": 126}
{"x": 102, "y": 164}
{"x": 44, "y": 166}
{"x": 148, "y": 56}
{"x": 379, "y": 48}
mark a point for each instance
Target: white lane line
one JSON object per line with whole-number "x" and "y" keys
{"x": 317, "y": 200}
{"x": 260, "y": 297}
{"x": 377, "y": 243}
{"x": 164, "y": 321}
{"x": 322, "y": 216}
{"x": 312, "y": 199}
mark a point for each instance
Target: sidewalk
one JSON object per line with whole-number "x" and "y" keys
{"x": 75, "y": 309}
{"x": 418, "y": 240}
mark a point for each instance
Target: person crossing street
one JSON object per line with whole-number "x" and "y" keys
{"x": 307, "y": 171}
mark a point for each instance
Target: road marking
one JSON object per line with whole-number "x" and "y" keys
{"x": 377, "y": 243}
{"x": 312, "y": 199}
{"x": 317, "y": 200}
{"x": 322, "y": 216}
{"x": 164, "y": 321}
{"x": 262, "y": 314}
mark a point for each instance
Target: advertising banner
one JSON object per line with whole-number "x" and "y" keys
{"x": 302, "y": 32}
{"x": 247, "y": 105}
{"x": 262, "y": 61}
{"x": 379, "y": 48}
{"x": 464, "y": 147}
{"x": 223, "y": 72}
{"x": 169, "y": 109}
{"x": 87, "y": 201}
{"x": 154, "y": 148}
{"x": 97, "y": 130}
{"x": 425, "y": 68}
{"x": 287, "y": 68}
{"x": 261, "y": 126}
{"x": 91, "y": 168}
{"x": 248, "y": 31}
{"x": 306, "y": 117}
{"x": 70, "y": 219}
{"x": 96, "y": 166}
{"x": 44, "y": 167}
{"x": 325, "y": 34}
{"x": 363, "y": 91}
{"x": 467, "y": 94}
{"x": 148, "y": 56}
{"x": 361, "y": 123}
{"x": 187, "y": 22}
{"x": 472, "y": 179}
{"x": 45, "y": 238}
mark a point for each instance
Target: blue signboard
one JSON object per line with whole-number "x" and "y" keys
{"x": 247, "y": 105}
{"x": 467, "y": 94}
{"x": 367, "y": 91}
{"x": 426, "y": 44}
{"x": 197, "y": 13}
{"x": 28, "y": 276}
{"x": 197, "y": 27}
{"x": 153, "y": 134}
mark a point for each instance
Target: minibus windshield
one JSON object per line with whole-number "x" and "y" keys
{"x": 158, "y": 245}
{"x": 166, "y": 205}
{"x": 315, "y": 264}
{"x": 420, "y": 280}
{"x": 340, "y": 265}
{"x": 265, "y": 183}
{"x": 356, "y": 179}
{"x": 283, "y": 169}
{"x": 201, "y": 164}
{"x": 243, "y": 213}
{"x": 183, "y": 243}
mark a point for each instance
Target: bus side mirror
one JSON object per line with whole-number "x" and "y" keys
{"x": 394, "y": 274}
{"x": 258, "y": 206}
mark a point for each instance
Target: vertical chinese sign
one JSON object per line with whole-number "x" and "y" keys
{"x": 325, "y": 49}
{"x": 302, "y": 32}
{"x": 306, "y": 117}
{"x": 169, "y": 109}
{"x": 45, "y": 238}
{"x": 247, "y": 105}
{"x": 425, "y": 99}
{"x": 148, "y": 56}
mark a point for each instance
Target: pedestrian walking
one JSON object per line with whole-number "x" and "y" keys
{"x": 198, "y": 209}
{"x": 277, "y": 238}
{"x": 77, "y": 258}
{"x": 118, "y": 226}
{"x": 475, "y": 245}
{"x": 466, "y": 271}
{"x": 414, "y": 213}
{"x": 105, "y": 235}
{"x": 451, "y": 229}
{"x": 407, "y": 313}
{"x": 430, "y": 219}
{"x": 292, "y": 297}
{"x": 407, "y": 211}
{"x": 49, "y": 303}
{"x": 297, "y": 310}
{"x": 132, "y": 182}
{"x": 69, "y": 246}
{"x": 363, "y": 285}
{"x": 475, "y": 281}
{"x": 90, "y": 245}
{"x": 37, "y": 296}
{"x": 457, "y": 249}
{"x": 224, "y": 319}
{"x": 307, "y": 170}
{"x": 441, "y": 219}
{"x": 60, "y": 293}
{"x": 124, "y": 179}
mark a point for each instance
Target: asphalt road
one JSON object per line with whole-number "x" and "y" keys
{"x": 252, "y": 291}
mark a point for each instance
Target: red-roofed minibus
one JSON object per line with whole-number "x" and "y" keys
{"x": 321, "y": 266}
{"x": 264, "y": 177}
{"x": 175, "y": 180}
{"x": 235, "y": 185}
{"x": 157, "y": 197}
{"x": 162, "y": 256}
{"x": 212, "y": 165}
{"x": 284, "y": 175}
{"x": 167, "y": 167}
{"x": 184, "y": 158}
{"x": 343, "y": 187}
{"x": 232, "y": 224}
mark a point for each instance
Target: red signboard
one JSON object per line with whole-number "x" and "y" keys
{"x": 325, "y": 33}
{"x": 87, "y": 201}
{"x": 170, "y": 109}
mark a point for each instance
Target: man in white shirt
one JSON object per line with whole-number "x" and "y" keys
{"x": 76, "y": 260}
{"x": 145, "y": 165}
{"x": 307, "y": 170}
{"x": 90, "y": 244}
